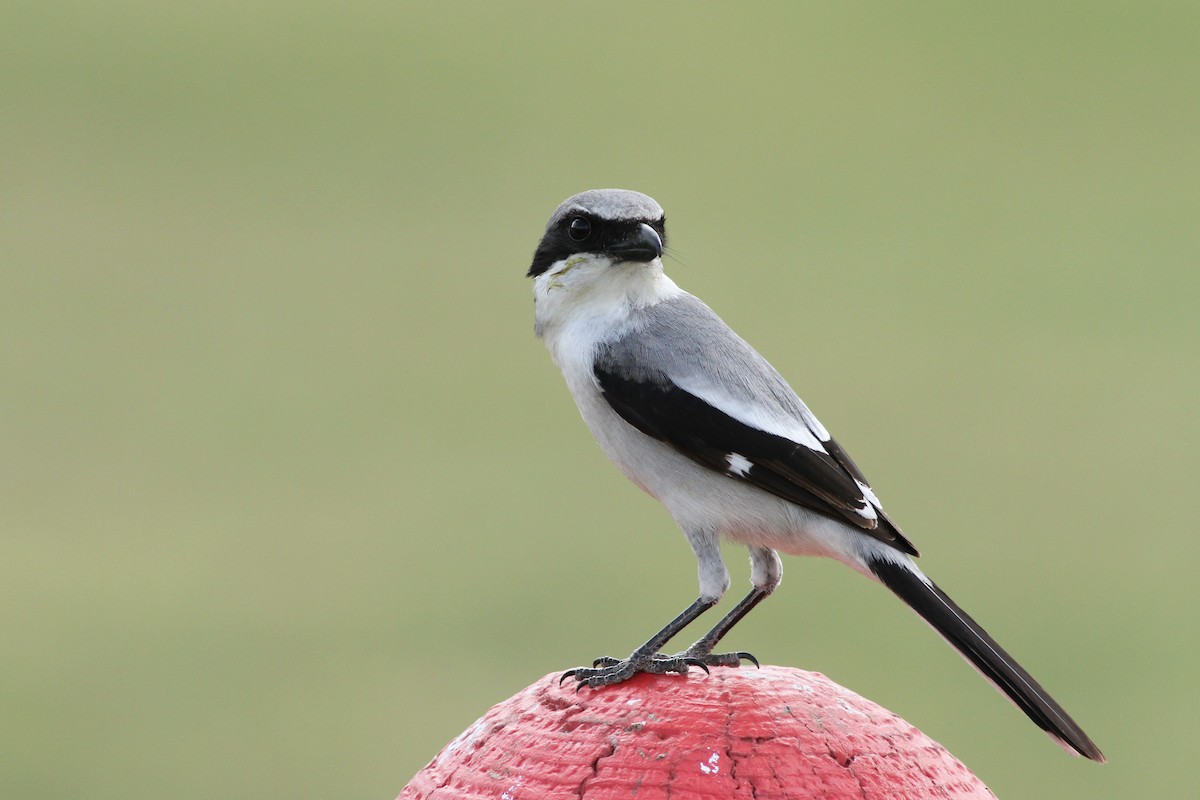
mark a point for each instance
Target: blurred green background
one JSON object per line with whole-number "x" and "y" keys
{"x": 290, "y": 494}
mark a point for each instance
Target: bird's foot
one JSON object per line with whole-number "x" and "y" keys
{"x": 606, "y": 670}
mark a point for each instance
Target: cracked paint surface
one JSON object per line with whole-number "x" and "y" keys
{"x": 738, "y": 733}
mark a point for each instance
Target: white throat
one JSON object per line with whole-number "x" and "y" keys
{"x": 584, "y": 300}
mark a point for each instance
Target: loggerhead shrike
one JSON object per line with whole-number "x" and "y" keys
{"x": 699, "y": 420}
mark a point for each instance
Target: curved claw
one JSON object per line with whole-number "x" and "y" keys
{"x": 742, "y": 654}
{"x": 569, "y": 673}
{"x": 696, "y": 662}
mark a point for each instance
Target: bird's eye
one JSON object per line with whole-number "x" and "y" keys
{"x": 579, "y": 229}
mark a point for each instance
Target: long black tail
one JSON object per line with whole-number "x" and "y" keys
{"x": 965, "y": 634}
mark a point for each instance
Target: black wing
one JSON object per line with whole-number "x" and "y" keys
{"x": 824, "y": 482}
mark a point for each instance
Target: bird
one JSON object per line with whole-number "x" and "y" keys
{"x": 696, "y": 418}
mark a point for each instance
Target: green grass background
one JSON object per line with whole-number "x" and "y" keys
{"x": 290, "y": 494}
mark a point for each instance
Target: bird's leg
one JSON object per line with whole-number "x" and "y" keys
{"x": 702, "y": 649}
{"x": 766, "y": 571}
{"x": 607, "y": 671}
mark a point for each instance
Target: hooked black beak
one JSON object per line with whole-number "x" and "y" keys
{"x": 643, "y": 244}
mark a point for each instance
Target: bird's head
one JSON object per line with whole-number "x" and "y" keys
{"x": 601, "y": 226}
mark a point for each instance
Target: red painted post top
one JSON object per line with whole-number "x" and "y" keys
{"x": 737, "y": 733}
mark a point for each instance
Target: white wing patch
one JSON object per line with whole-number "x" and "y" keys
{"x": 868, "y": 509}
{"x": 738, "y": 464}
{"x": 870, "y": 495}
{"x": 756, "y": 415}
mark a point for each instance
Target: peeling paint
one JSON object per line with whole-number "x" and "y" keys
{"x": 712, "y": 766}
